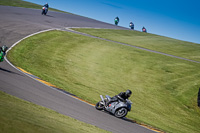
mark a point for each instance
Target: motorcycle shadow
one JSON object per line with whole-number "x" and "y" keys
{"x": 128, "y": 120}
{"x": 124, "y": 118}
{"x": 50, "y": 16}
{"x": 5, "y": 70}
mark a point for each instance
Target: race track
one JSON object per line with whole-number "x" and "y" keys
{"x": 15, "y": 24}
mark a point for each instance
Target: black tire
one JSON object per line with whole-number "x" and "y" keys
{"x": 121, "y": 112}
{"x": 99, "y": 106}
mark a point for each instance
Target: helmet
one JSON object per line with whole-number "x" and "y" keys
{"x": 128, "y": 93}
{"x": 4, "y": 48}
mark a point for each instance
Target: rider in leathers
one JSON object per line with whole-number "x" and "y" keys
{"x": 123, "y": 96}
{"x": 3, "y": 50}
{"x": 46, "y": 5}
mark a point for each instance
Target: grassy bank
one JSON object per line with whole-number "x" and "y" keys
{"x": 18, "y": 116}
{"x": 164, "y": 88}
{"x": 150, "y": 41}
{"x": 21, "y": 3}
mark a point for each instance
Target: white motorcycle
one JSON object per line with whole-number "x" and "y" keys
{"x": 118, "y": 108}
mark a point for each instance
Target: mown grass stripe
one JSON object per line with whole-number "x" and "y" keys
{"x": 149, "y": 50}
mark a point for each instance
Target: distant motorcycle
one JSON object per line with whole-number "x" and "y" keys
{"x": 116, "y": 21}
{"x": 119, "y": 108}
{"x": 44, "y": 10}
{"x": 131, "y": 25}
{"x": 1, "y": 56}
{"x": 3, "y": 50}
{"x": 144, "y": 29}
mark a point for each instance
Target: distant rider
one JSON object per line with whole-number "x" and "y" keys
{"x": 46, "y": 5}
{"x": 3, "y": 50}
{"x": 144, "y": 29}
{"x": 117, "y": 18}
{"x": 45, "y": 9}
{"x": 123, "y": 96}
{"x": 131, "y": 25}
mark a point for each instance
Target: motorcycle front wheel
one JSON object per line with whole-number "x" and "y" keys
{"x": 121, "y": 112}
{"x": 99, "y": 106}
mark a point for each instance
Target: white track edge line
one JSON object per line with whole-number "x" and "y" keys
{"x": 44, "y": 83}
{"x": 31, "y": 76}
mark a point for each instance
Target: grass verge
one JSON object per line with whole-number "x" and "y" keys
{"x": 150, "y": 41}
{"x": 21, "y": 3}
{"x": 20, "y": 116}
{"x": 164, "y": 88}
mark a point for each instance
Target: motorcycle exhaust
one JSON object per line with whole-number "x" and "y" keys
{"x": 102, "y": 98}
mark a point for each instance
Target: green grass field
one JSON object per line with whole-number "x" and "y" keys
{"x": 164, "y": 88}
{"x": 18, "y": 116}
{"x": 21, "y": 3}
{"x": 150, "y": 41}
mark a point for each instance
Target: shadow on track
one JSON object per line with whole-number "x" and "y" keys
{"x": 128, "y": 120}
{"x": 5, "y": 70}
{"x": 124, "y": 118}
{"x": 50, "y": 16}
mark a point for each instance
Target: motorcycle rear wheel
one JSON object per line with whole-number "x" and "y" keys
{"x": 99, "y": 106}
{"x": 121, "y": 112}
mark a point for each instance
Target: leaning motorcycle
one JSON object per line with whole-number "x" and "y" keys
{"x": 1, "y": 56}
{"x": 118, "y": 108}
{"x": 44, "y": 10}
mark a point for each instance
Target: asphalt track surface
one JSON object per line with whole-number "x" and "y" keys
{"x": 15, "y": 24}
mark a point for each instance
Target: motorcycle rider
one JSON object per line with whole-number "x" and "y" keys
{"x": 45, "y": 9}
{"x": 117, "y": 18}
{"x": 131, "y": 25}
{"x": 123, "y": 96}
{"x": 3, "y": 50}
{"x": 144, "y": 29}
{"x": 46, "y": 5}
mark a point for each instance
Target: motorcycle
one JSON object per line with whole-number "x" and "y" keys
{"x": 118, "y": 108}
{"x": 3, "y": 50}
{"x": 44, "y": 10}
{"x": 131, "y": 25}
{"x": 116, "y": 21}
{"x": 144, "y": 30}
{"x": 2, "y": 54}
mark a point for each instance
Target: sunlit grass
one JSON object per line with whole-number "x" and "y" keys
{"x": 18, "y": 116}
{"x": 164, "y": 88}
{"x": 21, "y": 3}
{"x": 150, "y": 41}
